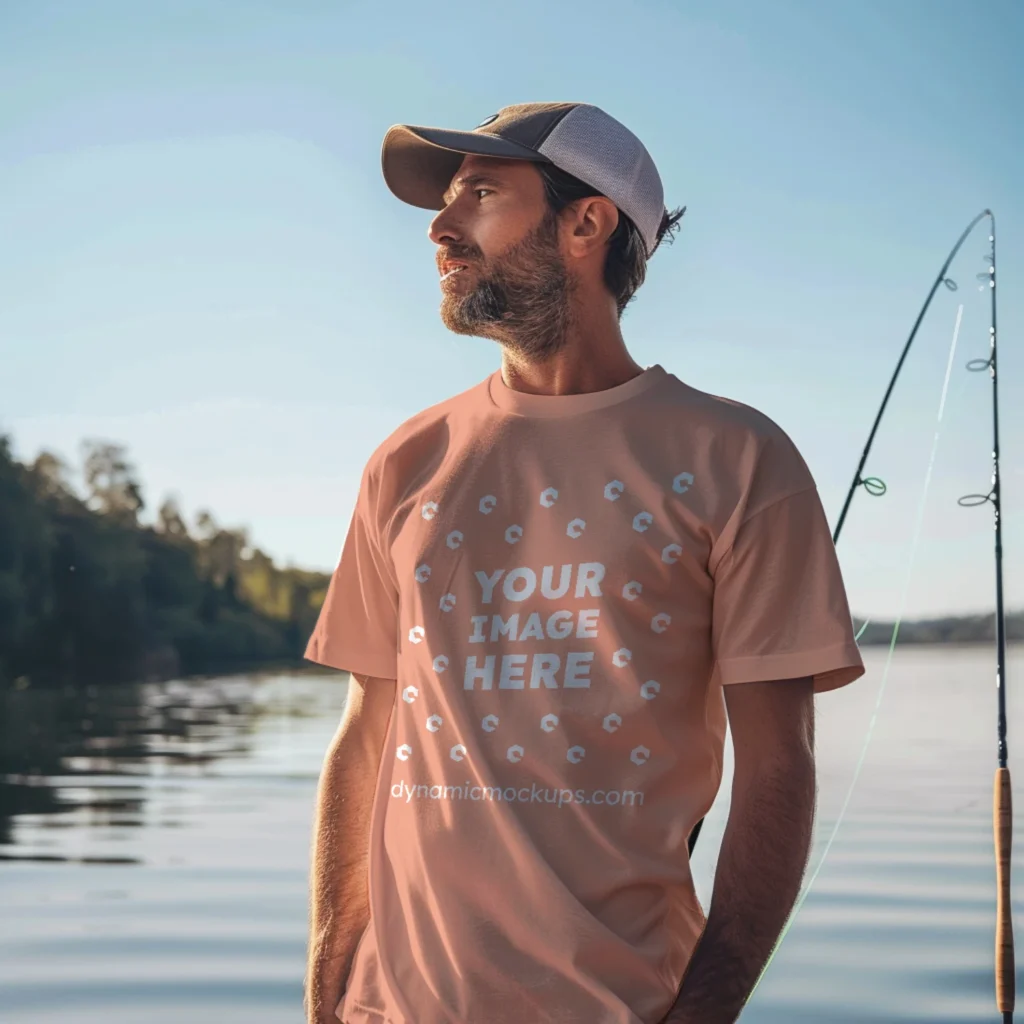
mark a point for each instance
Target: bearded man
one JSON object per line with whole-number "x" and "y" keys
{"x": 557, "y": 589}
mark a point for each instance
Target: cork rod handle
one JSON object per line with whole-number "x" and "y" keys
{"x": 1003, "y": 825}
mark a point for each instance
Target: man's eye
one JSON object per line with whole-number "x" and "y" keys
{"x": 478, "y": 191}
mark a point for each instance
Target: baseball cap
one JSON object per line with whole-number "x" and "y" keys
{"x": 419, "y": 163}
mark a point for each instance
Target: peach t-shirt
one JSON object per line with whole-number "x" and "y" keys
{"x": 562, "y": 586}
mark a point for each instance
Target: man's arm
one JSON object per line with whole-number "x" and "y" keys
{"x": 764, "y": 850}
{"x": 339, "y": 900}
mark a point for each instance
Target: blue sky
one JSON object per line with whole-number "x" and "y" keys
{"x": 199, "y": 258}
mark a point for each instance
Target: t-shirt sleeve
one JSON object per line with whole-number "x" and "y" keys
{"x": 780, "y": 608}
{"x": 357, "y": 630}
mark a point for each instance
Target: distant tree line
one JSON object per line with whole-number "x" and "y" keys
{"x": 967, "y": 629}
{"x": 88, "y": 594}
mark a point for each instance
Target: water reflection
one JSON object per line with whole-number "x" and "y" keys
{"x": 179, "y": 816}
{"x": 86, "y": 759}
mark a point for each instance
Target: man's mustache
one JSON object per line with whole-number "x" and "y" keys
{"x": 456, "y": 253}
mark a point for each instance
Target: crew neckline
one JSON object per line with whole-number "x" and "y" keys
{"x": 523, "y": 403}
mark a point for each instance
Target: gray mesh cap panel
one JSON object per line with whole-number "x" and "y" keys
{"x": 597, "y": 149}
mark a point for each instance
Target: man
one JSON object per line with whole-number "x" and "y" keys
{"x": 555, "y": 587}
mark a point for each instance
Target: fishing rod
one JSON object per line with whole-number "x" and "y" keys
{"x": 1002, "y": 793}
{"x": 1002, "y": 790}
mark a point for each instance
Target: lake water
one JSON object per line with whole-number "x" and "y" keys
{"x": 154, "y": 849}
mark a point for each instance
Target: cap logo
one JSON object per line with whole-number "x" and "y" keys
{"x": 486, "y": 121}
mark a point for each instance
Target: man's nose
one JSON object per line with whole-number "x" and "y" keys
{"x": 443, "y": 229}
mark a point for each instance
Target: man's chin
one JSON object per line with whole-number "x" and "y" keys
{"x": 453, "y": 316}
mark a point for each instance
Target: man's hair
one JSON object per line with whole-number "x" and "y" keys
{"x": 625, "y": 266}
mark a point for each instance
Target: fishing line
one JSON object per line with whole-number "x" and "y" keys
{"x": 955, "y": 401}
{"x": 922, "y": 502}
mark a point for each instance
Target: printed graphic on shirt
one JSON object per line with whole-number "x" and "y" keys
{"x": 553, "y": 611}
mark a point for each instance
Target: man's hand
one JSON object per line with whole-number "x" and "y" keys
{"x": 764, "y": 850}
{"x": 325, "y": 983}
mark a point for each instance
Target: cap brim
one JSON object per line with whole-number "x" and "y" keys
{"x": 419, "y": 163}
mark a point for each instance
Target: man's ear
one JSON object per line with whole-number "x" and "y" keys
{"x": 591, "y": 222}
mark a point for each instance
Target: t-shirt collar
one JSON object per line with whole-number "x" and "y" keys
{"x": 521, "y": 403}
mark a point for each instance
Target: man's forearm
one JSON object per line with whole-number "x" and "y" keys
{"x": 760, "y": 867}
{"x": 339, "y": 904}
{"x": 339, "y": 900}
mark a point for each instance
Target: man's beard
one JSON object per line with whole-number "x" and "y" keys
{"x": 521, "y": 298}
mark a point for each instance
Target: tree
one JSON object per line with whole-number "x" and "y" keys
{"x": 206, "y": 525}
{"x": 110, "y": 481}
{"x": 26, "y": 545}
{"x": 49, "y": 477}
{"x": 169, "y": 519}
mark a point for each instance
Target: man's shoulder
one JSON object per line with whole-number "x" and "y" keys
{"x": 725, "y": 416}
{"x": 425, "y": 435}
{"x": 748, "y": 452}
